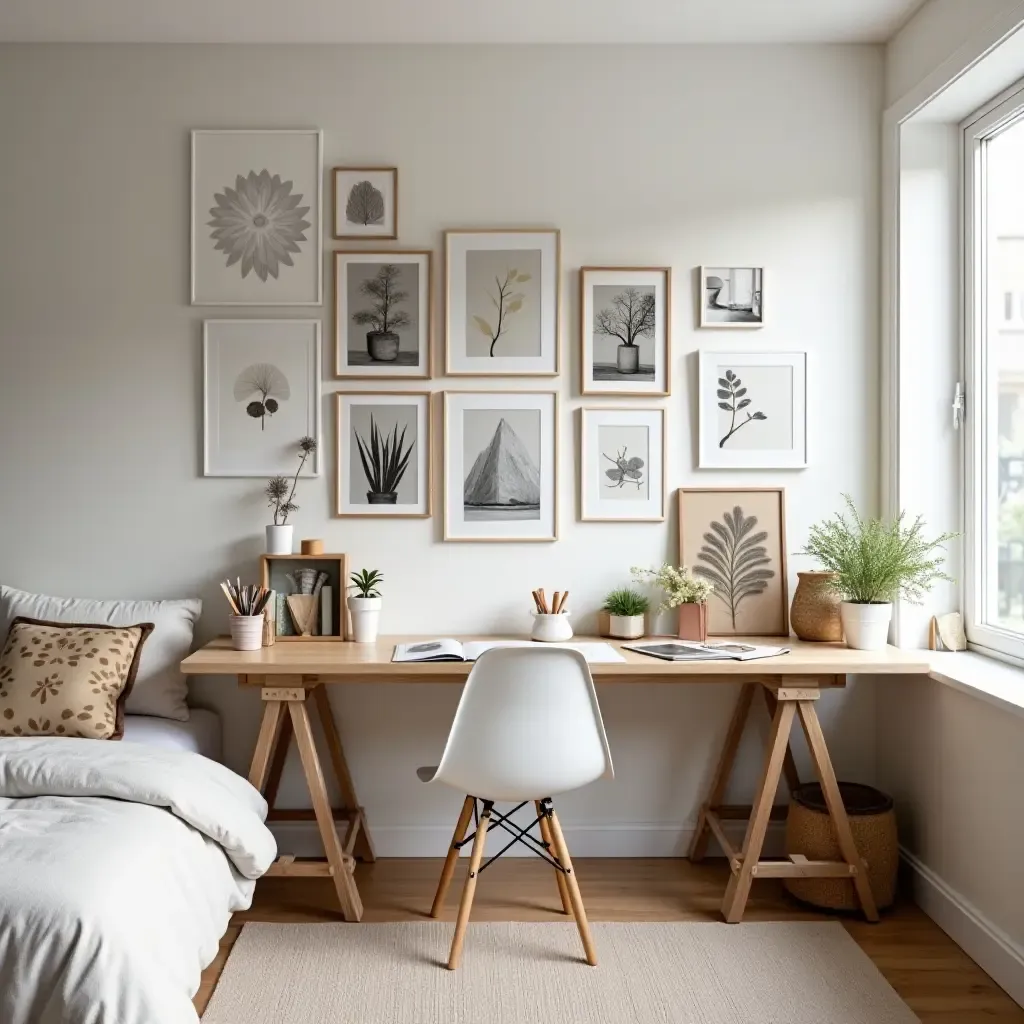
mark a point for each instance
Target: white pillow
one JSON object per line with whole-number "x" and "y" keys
{"x": 160, "y": 688}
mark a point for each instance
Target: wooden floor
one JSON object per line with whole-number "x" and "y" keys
{"x": 933, "y": 975}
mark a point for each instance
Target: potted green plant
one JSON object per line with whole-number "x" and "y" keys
{"x": 383, "y": 318}
{"x": 280, "y": 494}
{"x": 365, "y": 605}
{"x": 626, "y": 609}
{"x": 874, "y": 563}
{"x": 684, "y": 591}
{"x": 385, "y": 460}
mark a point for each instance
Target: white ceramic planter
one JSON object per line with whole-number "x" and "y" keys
{"x": 365, "y": 618}
{"x": 551, "y": 628}
{"x": 246, "y": 632}
{"x": 626, "y": 627}
{"x": 279, "y": 540}
{"x": 866, "y": 626}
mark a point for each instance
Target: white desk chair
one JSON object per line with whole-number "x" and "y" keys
{"x": 528, "y": 726}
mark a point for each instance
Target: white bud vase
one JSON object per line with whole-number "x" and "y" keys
{"x": 365, "y": 618}
{"x": 279, "y": 540}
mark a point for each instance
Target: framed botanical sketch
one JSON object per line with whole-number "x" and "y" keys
{"x": 732, "y": 296}
{"x": 383, "y": 451}
{"x": 622, "y": 465}
{"x": 257, "y": 233}
{"x": 365, "y": 202}
{"x": 261, "y": 394}
{"x": 500, "y": 466}
{"x": 502, "y": 302}
{"x": 625, "y": 324}
{"x": 752, "y": 410}
{"x": 383, "y": 314}
{"x": 736, "y": 539}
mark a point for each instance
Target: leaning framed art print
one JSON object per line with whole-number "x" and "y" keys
{"x": 622, "y": 465}
{"x": 500, "y": 466}
{"x": 257, "y": 233}
{"x": 502, "y": 302}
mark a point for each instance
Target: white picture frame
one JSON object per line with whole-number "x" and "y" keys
{"x": 758, "y": 418}
{"x": 234, "y": 173}
{"x": 731, "y": 297}
{"x": 484, "y": 431}
{"x": 371, "y": 190}
{"x": 396, "y": 415}
{"x": 234, "y": 444}
{"x": 502, "y": 302}
{"x": 613, "y": 487}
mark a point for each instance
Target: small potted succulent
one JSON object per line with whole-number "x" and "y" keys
{"x": 872, "y": 564}
{"x": 280, "y": 494}
{"x": 365, "y": 605}
{"x": 684, "y": 591}
{"x": 626, "y": 609}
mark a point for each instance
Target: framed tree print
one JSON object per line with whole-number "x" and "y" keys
{"x": 261, "y": 394}
{"x": 502, "y": 302}
{"x": 752, "y": 410}
{"x": 625, "y": 325}
{"x": 736, "y": 539}
{"x": 365, "y": 202}
{"x": 257, "y": 233}
{"x": 622, "y": 465}
{"x": 384, "y": 454}
{"x": 383, "y": 314}
{"x": 500, "y": 466}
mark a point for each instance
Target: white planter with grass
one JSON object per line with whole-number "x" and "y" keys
{"x": 626, "y": 627}
{"x": 626, "y": 609}
{"x": 866, "y": 626}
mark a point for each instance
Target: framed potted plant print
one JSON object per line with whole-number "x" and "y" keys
{"x": 384, "y": 454}
{"x": 500, "y": 466}
{"x": 502, "y": 302}
{"x": 622, "y": 465}
{"x": 365, "y": 202}
{"x": 732, "y": 297}
{"x": 257, "y": 233}
{"x": 752, "y": 410}
{"x": 261, "y": 394}
{"x": 383, "y": 314}
{"x": 625, "y": 325}
{"x": 735, "y": 537}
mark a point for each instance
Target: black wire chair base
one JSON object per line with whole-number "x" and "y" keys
{"x": 519, "y": 835}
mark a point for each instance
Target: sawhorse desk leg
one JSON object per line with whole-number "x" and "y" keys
{"x": 786, "y": 700}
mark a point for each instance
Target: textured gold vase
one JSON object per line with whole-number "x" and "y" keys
{"x": 815, "y": 611}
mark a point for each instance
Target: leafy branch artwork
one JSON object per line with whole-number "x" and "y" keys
{"x": 365, "y": 204}
{"x": 630, "y": 316}
{"x": 383, "y": 316}
{"x": 731, "y": 398}
{"x": 506, "y": 301}
{"x": 735, "y": 559}
{"x": 267, "y": 381}
{"x": 625, "y": 471}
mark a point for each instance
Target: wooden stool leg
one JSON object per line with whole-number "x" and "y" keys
{"x": 699, "y": 844}
{"x": 738, "y": 890}
{"x": 575, "y": 899}
{"x": 545, "y": 834}
{"x": 789, "y": 764}
{"x": 466, "y": 904}
{"x": 453, "y": 855}
{"x": 836, "y": 808}
{"x": 265, "y": 743}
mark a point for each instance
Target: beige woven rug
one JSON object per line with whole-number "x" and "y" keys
{"x": 687, "y": 973}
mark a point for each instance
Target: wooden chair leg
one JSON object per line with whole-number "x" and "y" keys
{"x": 545, "y": 834}
{"x": 575, "y": 899}
{"x": 466, "y": 904}
{"x": 453, "y": 856}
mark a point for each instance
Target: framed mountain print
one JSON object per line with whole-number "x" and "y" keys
{"x": 500, "y": 466}
{"x": 257, "y": 234}
{"x": 622, "y": 465}
{"x": 502, "y": 302}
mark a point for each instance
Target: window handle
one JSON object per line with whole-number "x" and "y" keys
{"x": 959, "y": 406}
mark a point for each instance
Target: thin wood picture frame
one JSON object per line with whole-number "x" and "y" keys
{"x": 377, "y": 184}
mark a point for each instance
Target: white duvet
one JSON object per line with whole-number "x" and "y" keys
{"x": 120, "y": 866}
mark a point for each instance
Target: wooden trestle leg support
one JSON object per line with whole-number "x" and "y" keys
{"x": 786, "y": 699}
{"x": 286, "y": 714}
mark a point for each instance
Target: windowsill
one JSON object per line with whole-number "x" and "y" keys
{"x": 980, "y": 676}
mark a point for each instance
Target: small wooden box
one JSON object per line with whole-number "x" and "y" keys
{"x": 272, "y": 576}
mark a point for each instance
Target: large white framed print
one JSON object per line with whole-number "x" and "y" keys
{"x": 502, "y": 302}
{"x": 622, "y": 465}
{"x": 257, "y": 217}
{"x": 752, "y": 410}
{"x": 261, "y": 395}
{"x": 500, "y": 466}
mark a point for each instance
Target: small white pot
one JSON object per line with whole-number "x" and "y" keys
{"x": 626, "y": 627}
{"x": 365, "y": 618}
{"x": 279, "y": 540}
{"x": 246, "y": 632}
{"x": 551, "y": 628}
{"x": 866, "y": 626}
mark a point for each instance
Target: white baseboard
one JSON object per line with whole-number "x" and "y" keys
{"x": 990, "y": 947}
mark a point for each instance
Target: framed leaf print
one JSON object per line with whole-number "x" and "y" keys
{"x": 622, "y": 465}
{"x": 736, "y": 539}
{"x": 365, "y": 202}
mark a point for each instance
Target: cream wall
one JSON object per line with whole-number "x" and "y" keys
{"x": 651, "y": 156}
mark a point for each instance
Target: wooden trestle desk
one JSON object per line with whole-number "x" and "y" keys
{"x": 294, "y": 676}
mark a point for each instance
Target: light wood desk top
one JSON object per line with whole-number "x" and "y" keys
{"x": 352, "y": 662}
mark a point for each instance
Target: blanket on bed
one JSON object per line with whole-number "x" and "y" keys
{"x": 121, "y": 866}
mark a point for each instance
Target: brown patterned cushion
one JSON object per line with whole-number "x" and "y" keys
{"x": 67, "y": 680}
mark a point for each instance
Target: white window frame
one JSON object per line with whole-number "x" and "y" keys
{"x": 981, "y": 394}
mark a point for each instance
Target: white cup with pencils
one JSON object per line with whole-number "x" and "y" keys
{"x": 246, "y": 622}
{"x": 550, "y": 622}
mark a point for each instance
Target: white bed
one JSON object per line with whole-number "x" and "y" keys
{"x": 201, "y": 734}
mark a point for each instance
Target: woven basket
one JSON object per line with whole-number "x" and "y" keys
{"x": 809, "y": 831}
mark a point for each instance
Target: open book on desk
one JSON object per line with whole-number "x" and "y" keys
{"x": 455, "y": 650}
{"x": 684, "y": 650}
